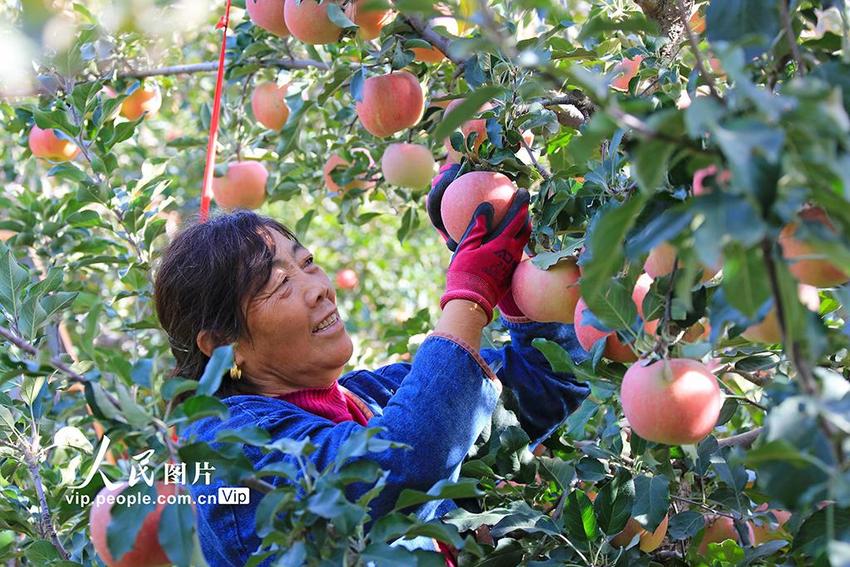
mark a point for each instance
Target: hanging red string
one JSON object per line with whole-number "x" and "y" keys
{"x": 206, "y": 191}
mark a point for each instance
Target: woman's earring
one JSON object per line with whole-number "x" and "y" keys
{"x": 235, "y": 372}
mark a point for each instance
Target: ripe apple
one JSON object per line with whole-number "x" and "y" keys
{"x": 769, "y": 530}
{"x": 347, "y": 279}
{"x": 719, "y": 529}
{"x": 478, "y": 125}
{"x": 587, "y": 336}
{"x": 627, "y": 69}
{"x": 675, "y": 401}
{"x": 464, "y": 194}
{"x": 146, "y": 551}
{"x": 697, "y": 23}
{"x": 391, "y": 103}
{"x": 269, "y": 105}
{"x": 336, "y": 160}
{"x": 44, "y": 143}
{"x": 408, "y": 165}
{"x": 642, "y": 285}
{"x": 308, "y": 21}
{"x": 243, "y": 187}
{"x": 371, "y": 21}
{"x": 768, "y": 330}
{"x": 268, "y": 14}
{"x": 142, "y": 101}
{"x": 547, "y": 295}
{"x": 660, "y": 262}
{"x": 808, "y": 265}
{"x": 649, "y": 542}
{"x": 432, "y": 54}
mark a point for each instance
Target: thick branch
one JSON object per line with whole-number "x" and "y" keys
{"x": 666, "y": 14}
{"x": 210, "y": 66}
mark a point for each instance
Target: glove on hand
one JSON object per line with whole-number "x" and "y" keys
{"x": 439, "y": 184}
{"x": 485, "y": 259}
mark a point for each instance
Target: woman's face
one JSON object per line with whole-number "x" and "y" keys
{"x": 298, "y": 338}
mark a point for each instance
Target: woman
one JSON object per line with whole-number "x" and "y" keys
{"x": 245, "y": 279}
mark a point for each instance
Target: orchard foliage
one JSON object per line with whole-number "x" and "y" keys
{"x": 695, "y": 134}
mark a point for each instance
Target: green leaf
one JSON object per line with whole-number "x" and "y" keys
{"x": 220, "y": 361}
{"x": 652, "y": 500}
{"x": 524, "y": 517}
{"x": 197, "y": 407}
{"x": 444, "y": 489}
{"x": 464, "y": 111}
{"x": 745, "y": 278}
{"x": 650, "y": 160}
{"x": 135, "y": 414}
{"x": 13, "y": 280}
{"x": 338, "y": 17}
{"x": 176, "y": 531}
{"x": 613, "y": 504}
{"x": 738, "y": 20}
{"x": 685, "y": 524}
{"x": 579, "y": 518}
{"x": 127, "y": 519}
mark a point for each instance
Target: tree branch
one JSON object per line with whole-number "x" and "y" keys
{"x": 427, "y": 33}
{"x": 692, "y": 38}
{"x": 742, "y": 439}
{"x": 789, "y": 34}
{"x": 210, "y": 66}
{"x": 45, "y": 519}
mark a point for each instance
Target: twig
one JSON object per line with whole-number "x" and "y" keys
{"x": 32, "y": 351}
{"x": 789, "y": 34}
{"x": 744, "y": 439}
{"x": 45, "y": 521}
{"x": 543, "y": 171}
{"x": 701, "y": 505}
{"x": 210, "y": 66}
{"x": 692, "y": 38}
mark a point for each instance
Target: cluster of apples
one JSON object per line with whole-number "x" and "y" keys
{"x": 46, "y": 144}
{"x": 687, "y": 388}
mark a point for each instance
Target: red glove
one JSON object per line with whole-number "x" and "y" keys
{"x": 484, "y": 262}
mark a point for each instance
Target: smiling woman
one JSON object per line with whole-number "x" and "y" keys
{"x": 246, "y": 280}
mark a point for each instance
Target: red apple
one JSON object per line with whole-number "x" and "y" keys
{"x": 675, "y": 401}
{"x": 768, "y": 329}
{"x": 547, "y": 295}
{"x": 308, "y": 21}
{"x": 649, "y": 542}
{"x": 390, "y": 103}
{"x": 268, "y": 103}
{"x": 336, "y": 160}
{"x": 408, "y": 165}
{"x": 464, "y": 194}
{"x": 808, "y": 265}
{"x": 347, "y": 279}
{"x": 371, "y": 21}
{"x": 719, "y": 529}
{"x": 44, "y": 143}
{"x": 627, "y": 69}
{"x": 243, "y": 187}
{"x": 477, "y": 125}
{"x": 144, "y": 101}
{"x": 268, "y": 14}
{"x": 587, "y": 336}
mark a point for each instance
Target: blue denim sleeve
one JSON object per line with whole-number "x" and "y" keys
{"x": 439, "y": 409}
{"x": 545, "y": 398}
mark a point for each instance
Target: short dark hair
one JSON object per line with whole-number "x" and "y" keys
{"x": 206, "y": 277}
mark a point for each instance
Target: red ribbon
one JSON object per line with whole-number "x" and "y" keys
{"x": 206, "y": 192}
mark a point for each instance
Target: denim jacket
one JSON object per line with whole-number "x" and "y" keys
{"x": 438, "y": 404}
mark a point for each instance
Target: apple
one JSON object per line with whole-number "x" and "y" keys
{"x": 808, "y": 265}
{"x": 660, "y": 262}
{"x": 408, "y": 165}
{"x": 642, "y": 286}
{"x": 269, "y": 105}
{"x": 432, "y": 54}
{"x": 768, "y": 329}
{"x": 143, "y": 101}
{"x": 719, "y": 529}
{"x": 243, "y": 187}
{"x": 146, "y": 551}
{"x": 465, "y": 193}
{"x": 336, "y": 160}
{"x": 547, "y": 295}
{"x": 371, "y": 21}
{"x": 268, "y": 14}
{"x": 44, "y": 143}
{"x": 649, "y": 542}
{"x": 627, "y": 69}
{"x": 477, "y": 125}
{"x": 390, "y": 103}
{"x": 769, "y": 530}
{"x": 308, "y": 21}
{"x": 674, "y": 401}
{"x": 587, "y": 336}
{"x": 347, "y": 279}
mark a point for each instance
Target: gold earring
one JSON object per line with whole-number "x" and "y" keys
{"x": 235, "y": 372}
